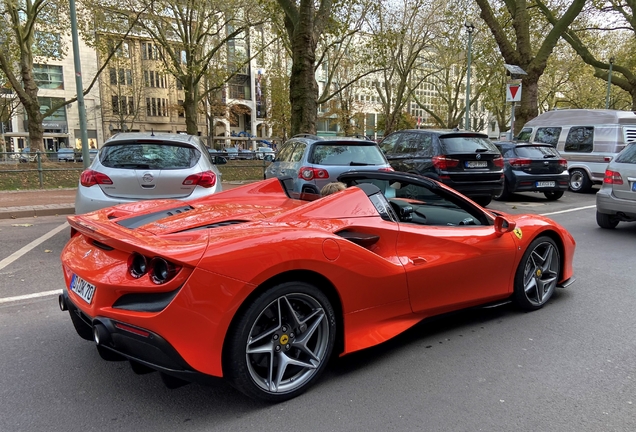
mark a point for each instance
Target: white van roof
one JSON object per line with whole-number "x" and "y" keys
{"x": 582, "y": 117}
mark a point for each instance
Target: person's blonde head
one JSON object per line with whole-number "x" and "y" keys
{"x": 332, "y": 187}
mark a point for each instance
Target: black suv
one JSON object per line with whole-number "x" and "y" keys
{"x": 466, "y": 161}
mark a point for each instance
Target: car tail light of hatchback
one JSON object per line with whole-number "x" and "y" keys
{"x": 612, "y": 177}
{"x": 563, "y": 164}
{"x": 204, "y": 179}
{"x": 443, "y": 163}
{"x": 90, "y": 178}
{"x": 498, "y": 162}
{"x": 520, "y": 162}
{"x": 309, "y": 173}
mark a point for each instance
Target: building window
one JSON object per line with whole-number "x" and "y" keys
{"x": 48, "y": 76}
{"x": 120, "y": 76}
{"x": 181, "y": 110}
{"x": 157, "y": 107}
{"x": 115, "y": 102}
{"x": 48, "y": 44}
{"x": 154, "y": 79}
{"x": 150, "y": 51}
{"x": 123, "y": 105}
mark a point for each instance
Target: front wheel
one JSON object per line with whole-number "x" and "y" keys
{"x": 538, "y": 274}
{"x": 504, "y": 195}
{"x": 281, "y": 343}
{"x": 553, "y": 196}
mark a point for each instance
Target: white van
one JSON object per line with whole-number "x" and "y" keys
{"x": 587, "y": 138}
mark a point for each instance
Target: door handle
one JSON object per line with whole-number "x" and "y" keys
{"x": 417, "y": 260}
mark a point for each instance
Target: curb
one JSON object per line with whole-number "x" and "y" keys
{"x": 35, "y": 211}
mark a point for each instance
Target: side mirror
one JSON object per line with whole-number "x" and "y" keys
{"x": 503, "y": 225}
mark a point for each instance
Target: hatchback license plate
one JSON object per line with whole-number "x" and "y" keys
{"x": 82, "y": 288}
{"x": 476, "y": 164}
{"x": 545, "y": 184}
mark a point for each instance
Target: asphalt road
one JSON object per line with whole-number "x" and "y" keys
{"x": 570, "y": 366}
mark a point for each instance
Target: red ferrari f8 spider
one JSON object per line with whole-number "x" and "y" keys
{"x": 262, "y": 287}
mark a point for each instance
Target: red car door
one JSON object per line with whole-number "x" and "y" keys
{"x": 450, "y": 267}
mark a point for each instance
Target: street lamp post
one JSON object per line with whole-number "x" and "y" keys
{"x": 81, "y": 108}
{"x": 609, "y": 83}
{"x": 469, "y": 28}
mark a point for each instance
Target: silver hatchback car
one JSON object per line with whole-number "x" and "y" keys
{"x": 138, "y": 166}
{"x": 314, "y": 161}
{"x": 616, "y": 200}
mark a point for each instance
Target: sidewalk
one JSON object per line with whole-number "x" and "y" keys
{"x": 48, "y": 202}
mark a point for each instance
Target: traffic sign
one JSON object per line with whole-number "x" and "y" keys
{"x": 513, "y": 92}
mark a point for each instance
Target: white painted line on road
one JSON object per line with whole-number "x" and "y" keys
{"x": 568, "y": 211}
{"x": 30, "y": 296}
{"x": 17, "y": 254}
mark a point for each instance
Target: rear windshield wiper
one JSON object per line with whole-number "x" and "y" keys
{"x": 548, "y": 156}
{"x": 352, "y": 163}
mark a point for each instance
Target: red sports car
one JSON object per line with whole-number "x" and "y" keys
{"x": 262, "y": 287}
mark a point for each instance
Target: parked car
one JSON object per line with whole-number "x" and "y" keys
{"x": 79, "y": 156}
{"x": 140, "y": 166}
{"x": 313, "y": 161}
{"x": 587, "y": 138}
{"x": 216, "y": 158}
{"x": 263, "y": 288}
{"x": 466, "y": 161}
{"x": 66, "y": 154}
{"x": 246, "y": 154}
{"x": 265, "y": 153}
{"x": 533, "y": 168}
{"x": 616, "y": 200}
{"x": 232, "y": 153}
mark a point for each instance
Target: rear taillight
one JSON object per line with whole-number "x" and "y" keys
{"x": 520, "y": 162}
{"x": 612, "y": 177}
{"x": 498, "y": 162}
{"x": 563, "y": 164}
{"x": 90, "y": 178}
{"x": 309, "y": 173}
{"x": 443, "y": 163}
{"x": 204, "y": 179}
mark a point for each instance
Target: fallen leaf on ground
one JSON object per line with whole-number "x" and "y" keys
{"x": 21, "y": 225}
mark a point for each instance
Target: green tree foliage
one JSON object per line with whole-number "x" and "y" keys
{"x": 511, "y": 25}
{"x": 606, "y": 32}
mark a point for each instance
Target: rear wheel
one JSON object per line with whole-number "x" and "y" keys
{"x": 537, "y": 274}
{"x": 554, "y": 195}
{"x": 579, "y": 181}
{"x": 281, "y": 343}
{"x": 606, "y": 221}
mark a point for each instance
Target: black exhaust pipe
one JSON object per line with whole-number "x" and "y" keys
{"x": 62, "y": 302}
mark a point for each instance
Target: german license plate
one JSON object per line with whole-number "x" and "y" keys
{"x": 545, "y": 184}
{"x": 82, "y": 288}
{"x": 476, "y": 164}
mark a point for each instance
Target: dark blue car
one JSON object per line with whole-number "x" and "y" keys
{"x": 533, "y": 168}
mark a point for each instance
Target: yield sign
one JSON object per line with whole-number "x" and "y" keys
{"x": 513, "y": 92}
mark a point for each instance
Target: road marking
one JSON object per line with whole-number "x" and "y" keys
{"x": 15, "y": 255}
{"x": 568, "y": 211}
{"x": 29, "y": 296}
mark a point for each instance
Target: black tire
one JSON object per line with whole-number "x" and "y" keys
{"x": 553, "y": 195}
{"x": 292, "y": 323}
{"x": 538, "y": 274}
{"x": 83, "y": 330}
{"x": 606, "y": 221}
{"x": 483, "y": 200}
{"x": 504, "y": 195}
{"x": 579, "y": 181}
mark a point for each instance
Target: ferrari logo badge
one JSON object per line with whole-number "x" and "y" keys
{"x": 284, "y": 339}
{"x": 518, "y": 233}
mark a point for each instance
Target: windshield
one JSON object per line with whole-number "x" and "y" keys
{"x": 347, "y": 154}
{"x": 161, "y": 155}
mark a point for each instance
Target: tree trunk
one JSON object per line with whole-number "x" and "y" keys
{"x": 190, "y": 105}
{"x": 529, "y": 107}
{"x": 303, "y": 88}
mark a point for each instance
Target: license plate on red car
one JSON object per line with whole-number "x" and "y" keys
{"x": 546, "y": 184}
{"x": 476, "y": 164}
{"x": 82, "y": 288}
